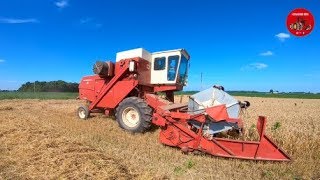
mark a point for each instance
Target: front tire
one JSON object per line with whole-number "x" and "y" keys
{"x": 134, "y": 115}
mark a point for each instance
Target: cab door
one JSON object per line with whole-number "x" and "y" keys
{"x": 164, "y": 68}
{"x": 159, "y": 70}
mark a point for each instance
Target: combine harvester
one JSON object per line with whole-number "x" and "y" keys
{"x": 130, "y": 88}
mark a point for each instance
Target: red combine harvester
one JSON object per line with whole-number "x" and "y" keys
{"x": 130, "y": 88}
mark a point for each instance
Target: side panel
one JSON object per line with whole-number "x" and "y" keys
{"x": 117, "y": 93}
{"x": 142, "y": 69}
{"x": 98, "y": 85}
{"x": 144, "y": 72}
{"x": 88, "y": 86}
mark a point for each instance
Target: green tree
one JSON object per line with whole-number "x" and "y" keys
{"x": 51, "y": 86}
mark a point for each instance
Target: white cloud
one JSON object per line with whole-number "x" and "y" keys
{"x": 254, "y": 66}
{"x": 12, "y": 81}
{"x": 85, "y": 20}
{"x": 312, "y": 75}
{"x": 267, "y": 53}
{"x": 90, "y": 22}
{"x": 98, "y": 25}
{"x": 282, "y": 36}
{"x": 17, "y": 21}
{"x": 61, "y": 4}
{"x": 2, "y": 60}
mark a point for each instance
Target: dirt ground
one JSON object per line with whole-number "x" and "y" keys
{"x": 43, "y": 139}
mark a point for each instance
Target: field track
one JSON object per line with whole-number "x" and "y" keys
{"x": 43, "y": 139}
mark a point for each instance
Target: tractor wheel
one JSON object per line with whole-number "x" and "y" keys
{"x": 133, "y": 114}
{"x": 83, "y": 112}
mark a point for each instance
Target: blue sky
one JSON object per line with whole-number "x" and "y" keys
{"x": 242, "y": 45}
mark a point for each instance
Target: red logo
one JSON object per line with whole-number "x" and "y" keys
{"x": 300, "y": 22}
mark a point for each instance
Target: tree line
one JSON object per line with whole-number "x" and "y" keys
{"x": 51, "y": 86}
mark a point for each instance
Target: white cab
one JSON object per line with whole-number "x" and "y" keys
{"x": 164, "y": 65}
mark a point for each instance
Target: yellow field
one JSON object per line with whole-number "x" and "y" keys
{"x": 41, "y": 139}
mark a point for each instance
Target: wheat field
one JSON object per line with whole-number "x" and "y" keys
{"x": 43, "y": 139}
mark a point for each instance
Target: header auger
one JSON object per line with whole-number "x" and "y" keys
{"x": 130, "y": 88}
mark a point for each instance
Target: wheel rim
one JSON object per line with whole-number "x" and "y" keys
{"x": 130, "y": 117}
{"x": 82, "y": 113}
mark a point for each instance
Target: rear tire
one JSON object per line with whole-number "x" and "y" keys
{"x": 83, "y": 112}
{"x": 134, "y": 115}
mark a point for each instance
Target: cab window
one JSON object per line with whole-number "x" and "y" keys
{"x": 172, "y": 67}
{"x": 183, "y": 70}
{"x": 159, "y": 63}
